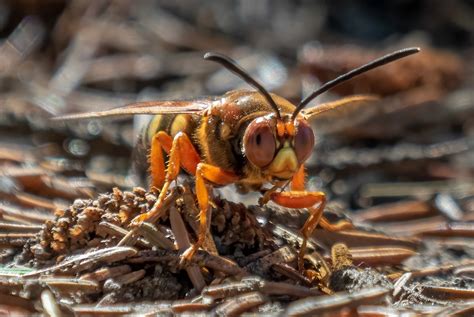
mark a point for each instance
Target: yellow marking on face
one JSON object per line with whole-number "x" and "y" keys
{"x": 179, "y": 124}
{"x": 285, "y": 163}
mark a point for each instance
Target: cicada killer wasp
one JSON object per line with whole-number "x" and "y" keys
{"x": 247, "y": 138}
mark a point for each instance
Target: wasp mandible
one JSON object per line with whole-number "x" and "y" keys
{"x": 247, "y": 138}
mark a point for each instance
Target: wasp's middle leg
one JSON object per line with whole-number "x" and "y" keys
{"x": 181, "y": 147}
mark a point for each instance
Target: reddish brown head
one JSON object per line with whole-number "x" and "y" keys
{"x": 278, "y": 144}
{"x": 278, "y": 147}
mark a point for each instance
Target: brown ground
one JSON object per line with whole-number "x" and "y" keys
{"x": 401, "y": 170}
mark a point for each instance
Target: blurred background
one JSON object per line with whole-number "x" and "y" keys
{"x": 60, "y": 57}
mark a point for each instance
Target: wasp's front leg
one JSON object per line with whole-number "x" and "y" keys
{"x": 178, "y": 148}
{"x": 216, "y": 175}
{"x": 299, "y": 198}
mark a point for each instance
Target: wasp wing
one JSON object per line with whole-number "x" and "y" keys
{"x": 146, "y": 107}
{"x": 343, "y": 113}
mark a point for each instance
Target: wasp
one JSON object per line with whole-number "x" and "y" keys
{"x": 248, "y": 138}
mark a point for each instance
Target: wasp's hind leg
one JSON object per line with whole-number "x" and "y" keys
{"x": 299, "y": 198}
{"x": 216, "y": 175}
{"x": 178, "y": 148}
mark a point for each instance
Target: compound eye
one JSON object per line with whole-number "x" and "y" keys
{"x": 304, "y": 141}
{"x": 259, "y": 143}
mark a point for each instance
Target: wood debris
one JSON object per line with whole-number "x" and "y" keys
{"x": 400, "y": 170}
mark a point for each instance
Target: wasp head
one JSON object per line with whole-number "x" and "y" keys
{"x": 278, "y": 146}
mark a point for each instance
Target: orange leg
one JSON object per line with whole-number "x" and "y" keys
{"x": 206, "y": 172}
{"x": 299, "y": 198}
{"x": 157, "y": 161}
{"x": 298, "y": 180}
{"x": 163, "y": 141}
{"x": 181, "y": 147}
{"x": 341, "y": 225}
{"x": 307, "y": 200}
{"x": 187, "y": 150}
{"x": 298, "y": 184}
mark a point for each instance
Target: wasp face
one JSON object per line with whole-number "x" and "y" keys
{"x": 278, "y": 147}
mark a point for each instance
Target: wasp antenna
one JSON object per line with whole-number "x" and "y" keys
{"x": 353, "y": 73}
{"x": 232, "y": 65}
